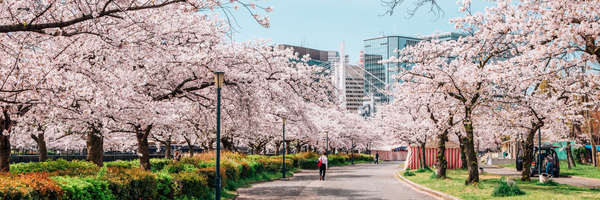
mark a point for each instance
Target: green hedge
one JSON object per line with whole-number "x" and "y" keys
{"x": 189, "y": 178}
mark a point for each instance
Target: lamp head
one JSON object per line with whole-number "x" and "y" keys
{"x": 283, "y": 119}
{"x": 219, "y": 79}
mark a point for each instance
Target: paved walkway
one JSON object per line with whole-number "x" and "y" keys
{"x": 589, "y": 183}
{"x": 361, "y": 181}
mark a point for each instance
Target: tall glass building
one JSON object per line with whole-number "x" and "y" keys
{"x": 378, "y": 76}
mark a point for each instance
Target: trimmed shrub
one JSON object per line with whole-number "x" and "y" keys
{"x": 157, "y": 164}
{"x": 232, "y": 169}
{"x": 54, "y": 166}
{"x": 123, "y": 164}
{"x": 84, "y": 188}
{"x": 178, "y": 167}
{"x": 165, "y": 186}
{"x": 132, "y": 183}
{"x": 505, "y": 189}
{"x": 37, "y": 185}
{"x": 192, "y": 186}
{"x": 210, "y": 172}
{"x": 190, "y": 178}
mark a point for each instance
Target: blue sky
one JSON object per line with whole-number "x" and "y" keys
{"x": 322, "y": 24}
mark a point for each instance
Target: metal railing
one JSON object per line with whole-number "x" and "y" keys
{"x": 106, "y": 158}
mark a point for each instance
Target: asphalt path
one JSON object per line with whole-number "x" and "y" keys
{"x": 361, "y": 181}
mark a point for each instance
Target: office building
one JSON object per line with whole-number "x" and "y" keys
{"x": 379, "y": 76}
{"x": 354, "y": 87}
{"x": 444, "y": 36}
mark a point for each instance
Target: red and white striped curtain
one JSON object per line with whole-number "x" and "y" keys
{"x": 414, "y": 157}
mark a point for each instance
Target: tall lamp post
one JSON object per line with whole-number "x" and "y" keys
{"x": 352, "y": 149}
{"x": 283, "y": 120}
{"x": 218, "y": 83}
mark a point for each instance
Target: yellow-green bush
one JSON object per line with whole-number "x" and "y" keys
{"x": 190, "y": 178}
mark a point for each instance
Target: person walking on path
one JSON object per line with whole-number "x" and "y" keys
{"x": 550, "y": 165}
{"x": 323, "y": 167}
{"x": 376, "y": 158}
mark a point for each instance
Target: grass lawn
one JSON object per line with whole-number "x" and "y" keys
{"x": 582, "y": 170}
{"x": 455, "y": 186}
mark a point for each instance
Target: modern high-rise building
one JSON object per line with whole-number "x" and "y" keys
{"x": 443, "y": 36}
{"x": 330, "y": 60}
{"x": 379, "y": 76}
{"x": 318, "y": 57}
{"x": 354, "y": 87}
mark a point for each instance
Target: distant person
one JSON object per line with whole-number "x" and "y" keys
{"x": 376, "y": 158}
{"x": 176, "y": 156}
{"x": 323, "y": 167}
{"x": 550, "y": 165}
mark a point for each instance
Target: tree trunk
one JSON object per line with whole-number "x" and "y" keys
{"x": 95, "y": 147}
{"x": 470, "y": 153}
{"x": 288, "y": 147}
{"x": 463, "y": 157}
{"x": 142, "y": 142}
{"x": 277, "y": 145}
{"x": 570, "y": 160}
{"x": 168, "y": 148}
{"x": 4, "y": 152}
{"x": 227, "y": 144}
{"x": 41, "y": 143}
{"x": 189, "y": 143}
{"x": 423, "y": 159}
{"x": 528, "y": 155}
{"x": 442, "y": 164}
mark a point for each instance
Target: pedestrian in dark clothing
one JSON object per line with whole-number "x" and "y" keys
{"x": 376, "y": 158}
{"x": 323, "y": 167}
{"x": 550, "y": 165}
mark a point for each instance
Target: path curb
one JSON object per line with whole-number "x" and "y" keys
{"x": 423, "y": 188}
{"x": 575, "y": 177}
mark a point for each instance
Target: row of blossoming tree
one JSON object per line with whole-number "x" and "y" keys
{"x": 117, "y": 74}
{"x": 521, "y": 67}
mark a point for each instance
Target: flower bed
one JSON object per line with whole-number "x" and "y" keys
{"x": 189, "y": 178}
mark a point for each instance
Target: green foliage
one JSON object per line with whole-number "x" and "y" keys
{"x": 433, "y": 175}
{"x": 158, "y": 164}
{"x": 193, "y": 185}
{"x": 190, "y": 178}
{"x": 37, "y": 185}
{"x": 55, "y": 166}
{"x": 548, "y": 183}
{"x": 165, "y": 186}
{"x": 84, "y": 188}
{"x": 578, "y": 152}
{"x": 178, "y": 167}
{"x": 426, "y": 169}
{"x": 505, "y": 189}
{"x": 129, "y": 164}
{"x": 408, "y": 173}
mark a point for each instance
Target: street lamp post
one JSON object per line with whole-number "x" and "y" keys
{"x": 283, "y": 120}
{"x": 218, "y": 83}
{"x": 352, "y": 149}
